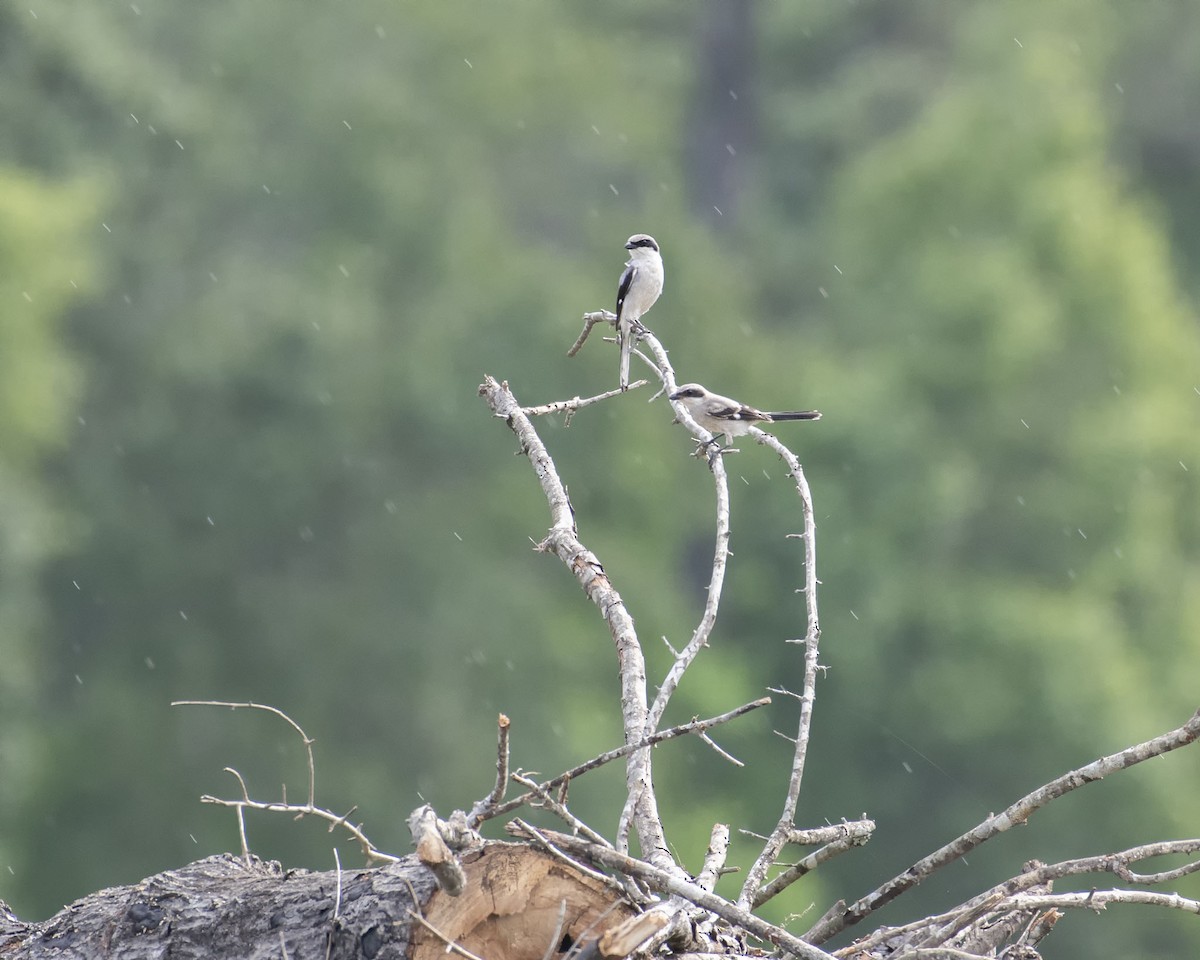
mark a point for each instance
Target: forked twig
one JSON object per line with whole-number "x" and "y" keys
{"x": 308, "y": 741}
{"x": 589, "y": 321}
{"x": 692, "y": 726}
{"x": 298, "y": 810}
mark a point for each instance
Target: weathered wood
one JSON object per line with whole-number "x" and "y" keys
{"x": 223, "y": 907}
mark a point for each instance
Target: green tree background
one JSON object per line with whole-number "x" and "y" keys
{"x": 257, "y": 258}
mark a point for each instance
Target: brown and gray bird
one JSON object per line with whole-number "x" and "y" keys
{"x": 718, "y": 414}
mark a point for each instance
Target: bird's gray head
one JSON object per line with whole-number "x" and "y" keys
{"x": 689, "y": 391}
{"x": 641, "y": 241}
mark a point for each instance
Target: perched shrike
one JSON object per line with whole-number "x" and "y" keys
{"x": 640, "y": 286}
{"x": 718, "y": 414}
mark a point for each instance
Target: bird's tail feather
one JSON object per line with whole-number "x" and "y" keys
{"x": 625, "y": 336}
{"x": 795, "y": 415}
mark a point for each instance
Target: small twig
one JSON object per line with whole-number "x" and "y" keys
{"x": 589, "y": 321}
{"x": 308, "y": 741}
{"x": 1098, "y": 900}
{"x": 368, "y": 848}
{"x": 241, "y": 822}
{"x": 337, "y": 903}
{"x": 560, "y": 810}
{"x": 670, "y": 883}
{"x": 1014, "y": 815}
{"x": 241, "y": 782}
{"x": 476, "y": 816}
{"x": 812, "y": 836}
{"x": 1121, "y": 861}
{"x": 797, "y": 870}
{"x": 575, "y": 403}
{"x": 720, "y": 751}
{"x": 692, "y": 726}
{"x": 451, "y": 946}
{"x": 866, "y": 944}
{"x": 556, "y": 937}
{"x": 708, "y": 618}
{"x": 517, "y": 825}
{"x": 967, "y": 917}
{"x": 751, "y": 888}
{"x": 1117, "y": 863}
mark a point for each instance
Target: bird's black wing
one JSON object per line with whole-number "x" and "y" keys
{"x": 624, "y": 285}
{"x": 731, "y": 411}
{"x": 748, "y": 414}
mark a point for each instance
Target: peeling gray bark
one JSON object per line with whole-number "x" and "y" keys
{"x": 224, "y": 907}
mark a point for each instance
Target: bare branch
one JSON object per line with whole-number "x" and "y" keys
{"x": 708, "y": 619}
{"x": 716, "y": 580}
{"x": 575, "y": 403}
{"x": 693, "y": 726}
{"x": 861, "y": 829}
{"x": 671, "y": 883}
{"x": 1099, "y": 900}
{"x": 297, "y": 810}
{"x": 589, "y": 321}
{"x": 863, "y": 946}
{"x": 720, "y": 751}
{"x": 683, "y": 659}
{"x": 1122, "y": 860}
{"x": 302, "y": 810}
{"x": 1014, "y": 815}
{"x": 559, "y": 810}
{"x": 519, "y": 827}
{"x": 1037, "y": 873}
{"x": 308, "y": 741}
{"x": 493, "y": 799}
{"x": 959, "y": 923}
{"x": 714, "y": 857}
{"x": 848, "y": 841}
{"x": 563, "y": 541}
{"x": 751, "y": 888}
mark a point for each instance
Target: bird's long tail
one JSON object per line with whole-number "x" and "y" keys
{"x": 625, "y": 337}
{"x": 795, "y": 415}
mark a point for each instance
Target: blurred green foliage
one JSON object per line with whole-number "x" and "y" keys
{"x": 257, "y": 258}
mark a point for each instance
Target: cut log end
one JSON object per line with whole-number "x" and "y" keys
{"x": 519, "y": 903}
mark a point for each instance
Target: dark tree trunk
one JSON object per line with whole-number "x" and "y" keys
{"x": 224, "y": 907}
{"x": 721, "y": 120}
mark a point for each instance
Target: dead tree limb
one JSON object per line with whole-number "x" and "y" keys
{"x": 752, "y": 888}
{"x": 563, "y": 541}
{"x": 1013, "y": 815}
